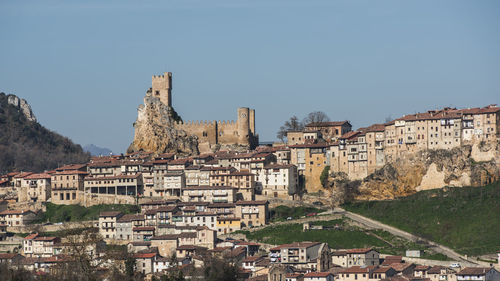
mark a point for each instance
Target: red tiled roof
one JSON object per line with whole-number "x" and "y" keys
{"x": 144, "y": 255}
{"x": 474, "y": 271}
{"x": 318, "y": 274}
{"x": 15, "y": 212}
{"x": 356, "y": 269}
{"x": 70, "y": 172}
{"x": 359, "y": 251}
{"x": 110, "y": 214}
{"x": 261, "y": 202}
{"x": 327, "y": 124}
{"x": 38, "y": 176}
{"x": 143, "y": 228}
{"x": 31, "y": 236}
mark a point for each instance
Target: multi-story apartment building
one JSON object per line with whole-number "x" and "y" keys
{"x": 35, "y": 188}
{"x": 330, "y": 131}
{"x": 108, "y": 224}
{"x": 212, "y": 194}
{"x": 244, "y": 182}
{"x": 478, "y": 274}
{"x": 277, "y": 181}
{"x": 121, "y": 184}
{"x": 252, "y": 213}
{"x": 303, "y": 254}
{"x": 38, "y": 246}
{"x": 67, "y": 186}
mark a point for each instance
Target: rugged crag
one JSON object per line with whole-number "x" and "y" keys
{"x": 23, "y": 106}
{"x": 27, "y": 145}
{"x": 463, "y": 166}
{"x": 155, "y": 130}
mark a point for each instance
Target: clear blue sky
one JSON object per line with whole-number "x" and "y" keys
{"x": 84, "y": 66}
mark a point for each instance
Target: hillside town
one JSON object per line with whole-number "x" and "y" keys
{"x": 190, "y": 206}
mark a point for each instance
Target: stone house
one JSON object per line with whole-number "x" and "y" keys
{"x": 108, "y": 223}
{"x": 16, "y": 217}
{"x": 478, "y": 274}
{"x": 252, "y": 213}
{"x": 35, "y": 188}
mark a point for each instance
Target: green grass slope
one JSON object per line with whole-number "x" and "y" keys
{"x": 466, "y": 219}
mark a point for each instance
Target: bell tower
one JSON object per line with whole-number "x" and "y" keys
{"x": 161, "y": 87}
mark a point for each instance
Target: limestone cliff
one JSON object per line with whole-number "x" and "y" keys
{"x": 463, "y": 166}
{"x": 23, "y": 107}
{"x": 155, "y": 132}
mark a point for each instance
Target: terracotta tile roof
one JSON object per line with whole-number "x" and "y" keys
{"x": 8, "y": 256}
{"x": 70, "y": 172}
{"x": 126, "y": 218}
{"x": 422, "y": 268}
{"x": 46, "y": 238}
{"x": 382, "y": 269}
{"x": 144, "y": 228}
{"x": 144, "y": 255}
{"x": 296, "y": 245}
{"x": 474, "y": 271}
{"x": 349, "y": 135}
{"x": 252, "y": 259}
{"x": 31, "y": 236}
{"x": 392, "y": 259}
{"x": 278, "y": 166}
{"x": 261, "y": 202}
{"x": 356, "y": 269}
{"x": 312, "y": 145}
{"x": 435, "y": 269}
{"x": 15, "y": 212}
{"x": 191, "y": 247}
{"x": 328, "y": 124}
{"x": 318, "y": 274}
{"x": 110, "y": 214}
{"x": 121, "y": 176}
{"x": 207, "y": 187}
{"x": 22, "y": 175}
{"x": 72, "y": 167}
{"x": 399, "y": 267}
{"x": 37, "y": 176}
{"x": 359, "y": 251}
{"x": 166, "y": 237}
{"x": 339, "y": 253}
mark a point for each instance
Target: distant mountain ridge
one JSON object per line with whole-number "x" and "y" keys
{"x": 25, "y": 145}
{"x": 95, "y": 150}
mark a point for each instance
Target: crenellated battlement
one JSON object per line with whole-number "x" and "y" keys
{"x": 208, "y": 132}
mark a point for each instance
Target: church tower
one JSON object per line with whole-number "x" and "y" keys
{"x": 162, "y": 87}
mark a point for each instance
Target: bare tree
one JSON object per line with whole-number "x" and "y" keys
{"x": 314, "y": 117}
{"x": 292, "y": 124}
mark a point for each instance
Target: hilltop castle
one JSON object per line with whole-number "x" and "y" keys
{"x": 157, "y": 119}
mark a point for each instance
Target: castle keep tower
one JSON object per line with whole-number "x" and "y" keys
{"x": 246, "y": 126}
{"x": 162, "y": 87}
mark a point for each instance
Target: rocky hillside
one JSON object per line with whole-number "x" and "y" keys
{"x": 155, "y": 132}
{"x": 25, "y": 145}
{"x": 464, "y": 166}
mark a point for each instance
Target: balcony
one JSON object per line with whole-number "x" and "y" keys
{"x": 220, "y": 194}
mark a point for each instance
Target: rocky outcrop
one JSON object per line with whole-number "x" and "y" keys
{"x": 155, "y": 130}
{"x": 23, "y": 106}
{"x": 462, "y": 166}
